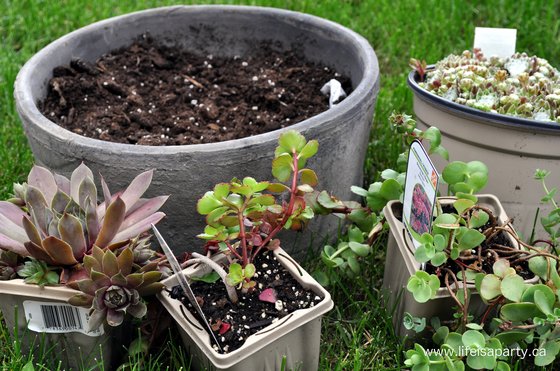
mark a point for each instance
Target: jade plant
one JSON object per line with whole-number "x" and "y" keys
{"x": 522, "y": 316}
{"x": 55, "y": 231}
{"x": 521, "y": 85}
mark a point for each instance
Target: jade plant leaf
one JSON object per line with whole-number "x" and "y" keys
{"x": 512, "y": 287}
{"x": 519, "y": 311}
{"x": 546, "y": 354}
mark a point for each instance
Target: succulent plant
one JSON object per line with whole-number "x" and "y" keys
{"x": 520, "y": 85}
{"x": 38, "y": 273}
{"x": 9, "y": 265}
{"x": 59, "y": 220}
{"x": 115, "y": 286}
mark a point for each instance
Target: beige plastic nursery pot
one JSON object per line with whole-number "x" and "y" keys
{"x": 512, "y": 147}
{"x": 292, "y": 343}
{"x": 76, "y": 350}
{"x": 401, "y": 264}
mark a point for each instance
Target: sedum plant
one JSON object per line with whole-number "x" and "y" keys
{"x": 56, "y": 231}
{"x": 520, "y": 86}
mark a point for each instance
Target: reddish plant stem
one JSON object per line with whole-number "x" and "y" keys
{"x": 233, "y": 251}
{"x": 289, "y": 212}
{"x": 489, "y": 309}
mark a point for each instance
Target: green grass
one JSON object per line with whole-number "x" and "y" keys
{"x": 357, "y": 333}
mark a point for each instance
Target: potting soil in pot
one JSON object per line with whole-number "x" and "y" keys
{"x": 233, "y": 324}
{"x": 152, "y": 94}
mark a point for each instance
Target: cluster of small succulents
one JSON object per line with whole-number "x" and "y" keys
{"x": 55, "y": 231}
{"x": 521, "y": 86}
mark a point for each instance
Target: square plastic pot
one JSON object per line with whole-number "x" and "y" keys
{"x": 292, "y": 342}
{"x": 401, "y": 264}
{"x": 76, "y": 350}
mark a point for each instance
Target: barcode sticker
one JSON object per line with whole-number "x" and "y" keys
{"x": 55, "y": 318}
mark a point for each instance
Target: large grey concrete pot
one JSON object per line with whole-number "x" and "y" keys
{"x": 400, "y": 264}
{"x": 512, "y": 147}
{"x": 186, "y": 172}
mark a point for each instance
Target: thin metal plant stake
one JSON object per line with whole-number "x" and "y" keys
{"x": 176, "y": 267}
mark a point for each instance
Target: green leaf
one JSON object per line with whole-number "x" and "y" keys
{"x": 208, "y": 278}
{"x": 361, "y": 249}
{"x": 353, "y": 264}
{"x": 438, "y": 259}
{"x": 454, "y": 172}
{"x": 389, "y": 174}
{"x": 207, "y": 203}
{"x": 519, "y": 311}
{"x": 502, "y": 366}
{"x": 310, "y": 149}
{"x": 321, "y": 277}
{"x": 490, "y": 287}
{"x": 291, "y": 141}
{"x": 325, "y": 200}
{"x": 391, "y": 190}
{"x": 546, "y": 354}
{"x": 529, "y": 293}
{"x": 440, "y": 335}
{"x": 478, "y": 219}
{"x": 359, "y": 191}
{"x": 543, "y": 302}
{"x": 308, "y": 176}
{"x": 512, "y": 287}
{"x": 282, "y": 167}
{"x": 455, "y": 342}
{"x": 473, "y": 339}
{"x": 462, "y": 204}
{"x": 511, "y": 337}
{"x": 470, "y": 239}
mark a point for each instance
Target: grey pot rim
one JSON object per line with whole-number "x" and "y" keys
{"x": 497, "y": 119}
{"x": 28, "y": 108}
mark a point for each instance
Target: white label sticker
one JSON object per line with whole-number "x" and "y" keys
{"x": 420, "y": 192}
{"x": 498, "y": 42}
{"x": 56, "y": 318}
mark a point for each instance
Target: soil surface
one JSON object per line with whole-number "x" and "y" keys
{"x": 152, "y": 94}
{"x": 233, "y": 324}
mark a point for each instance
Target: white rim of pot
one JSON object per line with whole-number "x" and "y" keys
{"x": 264, "y": 336}
{"x": 496, "y": 119}
{"x": 29, "y": 110}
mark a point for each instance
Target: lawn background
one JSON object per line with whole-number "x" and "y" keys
{"x": 357, "y": 334}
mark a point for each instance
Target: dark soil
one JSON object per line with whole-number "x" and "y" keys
{"x": 152, "y": 94}
{"x": 250, "y": 314}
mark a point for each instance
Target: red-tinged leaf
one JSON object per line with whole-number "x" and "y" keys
{"x": 60, "y": 202}
{"x": 151, "y": 277}
{"x": 111, "y": 223}
{"x": 136, "y": 189}
{"x": 87, "y": 286}
{"x": 32, "y": 232}
{"x": 63, "y": 183}
{"x": 134, "y": 280}
{"x": 148, "y": 207}
{"x": 310, "y": 149}
{"x": 81, "y": 300}
{"x": 87, "y": 192}
{"x": 100, "y": 279}
{"x": 224, "y": 327}
{"x": 282, "y": 167}
{"x": 118, "y": 280}
{"x": 117, "y": 245}
{"x": 6, "y": 243}
{"x": 151, "y": 289}
{"x": 309, "y": 177}
{"x": 76, "y": 180}
{"x": 97, "y": 254}
{"x": 37, "y": 206}
{"x": 125, "y": 260}
{"x": 11, "y": 212}
{"x": 256, "y": 239}
{"x": 38, "y": 253}
{"x": 60, "y": 251}
{"x": 110, "y": 264}
{"x": 42, "y": 179}
{"x": 268, "y": 295}
{"x": 114, "y": 318}
{"x": 90, "y": 263}
{"x": 70, "y": 275}
{"x": 106, "y": 193}
{"x": 277, "y": 188}
{"x": 72, "y": 232}
{"x": 92, "y": 222}
{"x": 138, "y": 228}
{"x": 273, "y": 244}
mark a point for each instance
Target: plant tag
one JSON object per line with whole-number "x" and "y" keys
{"x": 56, "y": 318}
{"x": 499, "y": 42}
{"x": 420, "y": 192}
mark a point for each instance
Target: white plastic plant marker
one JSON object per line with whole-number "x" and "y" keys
{"x": 420, "y": 192}
{"x": 333, "y": 89}
{"x": 498, "y": 42}
{"x": 56, "y": 318}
